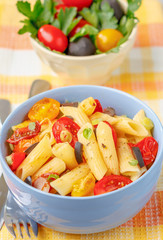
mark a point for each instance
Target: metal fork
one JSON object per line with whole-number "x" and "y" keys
{"x": 18, "y": 217}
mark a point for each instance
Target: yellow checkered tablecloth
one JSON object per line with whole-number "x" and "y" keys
{"x": 141, "y": 75}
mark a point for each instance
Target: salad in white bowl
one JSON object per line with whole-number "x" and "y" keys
{"x": 79, "y": 27}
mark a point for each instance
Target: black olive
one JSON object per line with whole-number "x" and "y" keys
{"x": 118, "y": 11}
{"x": 81, "y": 47}
{"x": 110, "y": 111}
{"x": 28, "y": 180}
{"x": 78, "y": 152}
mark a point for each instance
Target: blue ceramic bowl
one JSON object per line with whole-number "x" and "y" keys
{"x": 86, "y": 214}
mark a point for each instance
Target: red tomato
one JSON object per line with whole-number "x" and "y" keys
{"x": 77, "y": 28}
{"x": 98, "y": 106}
{"x": 110, "y": 183}
{"x": 58, "y": 8}
{"x": 80, "y": 4}
{"x": 65, "y": 124}
{"x": 24, "y": 133}
{"x": 148, "y": 148}
{"x": 53, "y": 38}
{"x": 15, "y": 159}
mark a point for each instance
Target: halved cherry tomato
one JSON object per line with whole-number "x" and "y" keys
{"x": 53, "y": 38}
{"x": 77, "y": 28}
{"x": 25, "y": 133}
{"x": 45, "y": 108}
{"x": 65, "y": 128}
{"x": 23, "y": 144}
{"x": 107, "y": 39}
{"x": 15, "y": 159}
{"x": 148, "y": 148}
{"x": 58, "y": 8}
{"x": 98, "y": 106}
{"x": 110, "y": 183}
{"x": 80, "y": 4}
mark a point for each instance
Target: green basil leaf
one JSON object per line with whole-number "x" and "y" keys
{"x": 87, "y": 133}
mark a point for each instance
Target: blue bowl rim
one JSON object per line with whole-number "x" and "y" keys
{"x": 8, "y": 170}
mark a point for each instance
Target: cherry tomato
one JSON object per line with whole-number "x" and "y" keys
{"x": 65, "y": 128}
{"x": 98, "y": 106}
{"x": 107, "y": 39}
{"x": 58, "y": 8}
{"x": 77, "y": 28}
{"x": 45, "y": 108}
{"x": 53, "y": 38}
{"x": 25, "y": 133}
{"x": 15, "y": 159}
{"x": 22, "y": 145}
{"x": 110, "y": 183}
{"x": 148, "y": 148}
{"x": 80, "y": 4}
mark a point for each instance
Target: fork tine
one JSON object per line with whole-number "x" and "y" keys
{"x": 26, "y": 228}
{"x": 11, "y": 230}
{"x": 19, "y": 229}
{"x": 34, "y": 226}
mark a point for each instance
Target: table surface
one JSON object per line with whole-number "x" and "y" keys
{"x": 141, "y": 75}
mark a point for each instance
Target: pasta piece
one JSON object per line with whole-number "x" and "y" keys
{"x": 107, "y": 147}
{"x": 65, "y": 152}
{"x": 92, "y": 153}
{"x": 48, "y": 131}
{"x": 64, "y": 184}
{"x": 146, "y": 122}
{"x": 103, "y": 117}
{"x": 131, "y": 127}
{"x": 39, "y": 155}
{"x": 76, "y": 113}
{"x": 88, "y": 105}
{"x": 55, "y": 165}
{"x": 125, "y": 158}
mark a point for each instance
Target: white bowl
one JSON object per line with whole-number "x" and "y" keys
{"x": 94, "y": 69}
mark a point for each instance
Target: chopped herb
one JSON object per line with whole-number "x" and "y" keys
{"x": 133, "y": 162}
{"x": 87, "y": 133}
{"x": 32, "y": 126}
{"x": 52, "y": 177}
{"x": 96, "y": 121}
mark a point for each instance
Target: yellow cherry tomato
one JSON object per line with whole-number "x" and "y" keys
{"x": 84, "y": 186}
{"x": 45, "y": 108}
{"x": 108, "y": 39}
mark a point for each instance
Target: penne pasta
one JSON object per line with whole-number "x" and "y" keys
{"x": 125, "y": 158}
{"x": 92, "y": 153}
{"x": 39, "y": 155}
{"x": 64, "y": 184}
{"x": 131, "y": 127}
{"x": 65, "y": 152}
{"x": 88, "y": 105}
{"x": 103, "y": 117}
{"x": 107, "y": 147}
{"x": 146, "y": 122}
{"x": 55, "y": 165}
{"x": 77, "y": 114}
